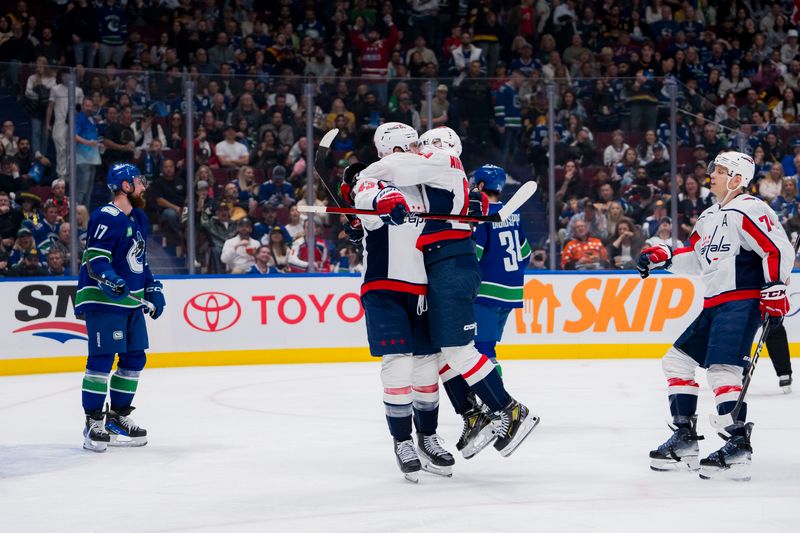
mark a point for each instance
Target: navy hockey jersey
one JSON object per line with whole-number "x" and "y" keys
{"x": 503, "y": 253}
{"x": 114, "y": 242}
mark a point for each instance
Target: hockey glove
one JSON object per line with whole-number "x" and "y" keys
{"x": 391, "y": 206}
{"x": 154, "y": 293}
{"x": 478, "y": 203}
{"x": 113, "y": 285}
{"x": 658, "y": 256}
{"x": 774, "y": 302}
{"x": 354, "y": 231}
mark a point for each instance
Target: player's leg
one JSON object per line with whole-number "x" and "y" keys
{"x": 425, "y": 400}
{"x": 124, "y": 382}
{"x": 105, "y": 340}
{"x": 778, "y": 346}
{"x": 477, "y": 431}
{"x": 730, "y": 342}
{"x": 681, "y": 451}
{"x": 452, "y": 286}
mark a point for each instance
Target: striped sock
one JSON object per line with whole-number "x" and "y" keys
{"x": 93, "y": 390}
{"x": 123, "y": 387}
{"x": 682, "y": 396}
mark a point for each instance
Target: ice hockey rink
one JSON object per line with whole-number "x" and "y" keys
{"x": 305, "y": 448}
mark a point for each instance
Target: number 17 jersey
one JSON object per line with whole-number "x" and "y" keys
{"x": 503, "y": 253}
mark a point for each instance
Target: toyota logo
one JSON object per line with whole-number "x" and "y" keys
{"x": 212, "y": 311}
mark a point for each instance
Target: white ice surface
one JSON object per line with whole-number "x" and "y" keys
{"x": 305, "y": 448}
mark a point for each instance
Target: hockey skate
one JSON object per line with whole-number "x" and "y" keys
{"x": 95, "y": 436}
{"x": 433, "y": 457}
{"x": 785, "y": 383}
{"x": 681, "y": 450}
{"x": 477, "y": 433}
{"x": 407, "y": 459}
{"x": 513, "y": 425}
{"x": 123, "y": 431}
{"x": 732, "y": 461}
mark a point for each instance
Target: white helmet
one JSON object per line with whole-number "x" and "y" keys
{"x": 736, "y": 163}
{"x": 391, "y": 135}
{"x": 444, "y": 138}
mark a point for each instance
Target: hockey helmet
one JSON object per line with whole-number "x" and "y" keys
{"x": 391, "y": 135}
{"x": 120, "y": 172}
{"x": 735, "y": 163}
{"x": 444, "y": 138}
{"x": 492, "y": 177}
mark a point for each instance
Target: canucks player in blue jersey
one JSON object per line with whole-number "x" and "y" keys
{"x": 113, "y": 280}
{"x": 503, "y": 253}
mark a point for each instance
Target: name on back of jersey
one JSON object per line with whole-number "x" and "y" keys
{"x": 513, "y": 220}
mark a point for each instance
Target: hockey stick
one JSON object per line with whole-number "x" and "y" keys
{"x": 320, "y": 157}
{"x": 522, "y": 195}
{"x": 720, "y": 422}
{"x": 150, "y": 307}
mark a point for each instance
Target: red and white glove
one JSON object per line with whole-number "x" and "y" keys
{"x": 658, "y": 256}
{"x": 391, "y": 206}
{"x": 478, "y": 203}
{"x": 774, "y": 302}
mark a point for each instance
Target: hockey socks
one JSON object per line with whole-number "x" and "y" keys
{"x": 398, "y": 417}
{"x": 123, "y": 387}
{"x": 93, "y": 390}
{"x": 490, "y": 389}
{"x": 682, "y": 397}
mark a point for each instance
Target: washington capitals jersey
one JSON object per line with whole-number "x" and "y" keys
{"x": 391, "y": 259}
{"x": 736, "y": 249}
{"x": 445, "y": 189}
{"x": 114, "y": 242}
{"x": 503, "y": 253}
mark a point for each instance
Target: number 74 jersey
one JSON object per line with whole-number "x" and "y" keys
{"x": 736, "y": 249}
{"x": 503, "y": 253}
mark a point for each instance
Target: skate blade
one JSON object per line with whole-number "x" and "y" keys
{"x": 119, "y": 441}
{"x": 787, "y": 389}
{"x": 528, "y": 425}
{"x": 688, "y": 463}
{"x": 735, "y": 472}
{"x": 412, "y": 477}
{"x": 443, "y": 471}
{"x": 95, "y": 446}
{"x": 484, "y": 439}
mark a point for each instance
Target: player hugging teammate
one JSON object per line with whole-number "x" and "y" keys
{"x": 405, "y": 180}
{"x": 742, "y": 253}
{"x": 114, "y": 284}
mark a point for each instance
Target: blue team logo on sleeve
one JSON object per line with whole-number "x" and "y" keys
{"x": 135, "y": 254}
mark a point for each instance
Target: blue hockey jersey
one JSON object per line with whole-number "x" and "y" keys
{"x": 114, "y": 242}
{"x": 503, "y": 253}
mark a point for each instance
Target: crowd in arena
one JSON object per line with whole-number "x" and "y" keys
{"x": 481, "y": 67}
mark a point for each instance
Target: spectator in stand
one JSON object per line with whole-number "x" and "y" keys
{"x": 238, "y": 252}
{"x": 752, "y": 105}
{"x": 406, "y": 114}
{"x": 120, "y": 139}
{"x": 299, "y": 255}
{"x": 29, "y": 266}
{"x": 62, "y": 243}
{"x": 663, "y": 234}
{"x": 46, "y": 231}
{"x": 711, "y": 142}
{"x": 153, "y": 161}
{"x": 786, "y": 205}
{"x": 508, "y": 115}
{"x": 625, "y": 171}
{"x": 59, "y": 198}
{"x": 80, "y": 24}
{"x": 87, "y": 153}
{"x": 221, "y": 52}
{"x": 8, "y": 139}
{"x": 771, "y": 185}
{"x": 10, "y": 221}
{"x": 626, "y": 244}
{"x": 295, "y": 225}
{"x": 283, "y": 132}
{"x": 56, "y": 119}
{"x": 645, "y": 150}
{"x": 146, "y": 132}
{"x": 584, "y": 252}
{"x": 56, "y": 263}
{"x": 170, "y": 197}
{"x": 219, "y": 229}
{"x": 693, "y": 200}
{"x": 232, "y": 196}
{"x": 33, "y": 167}
{"x": 275, "y": 241}
{"x": 230, "y": 152}
{"x": 595, "y": 221}
{"x": 462, "y": 58}
{"x": 614, "y": 151}
{"x": 37, "y": 95}
{"x": 113, "y": 32}
{"x": 651, "y": 222}
{"x": 263, "y": 262}
{"x": 659, "y": 164}
{"x": 374, "y": 53}
{"x": 276, "y": 192}
{"x": 23, "y": 244}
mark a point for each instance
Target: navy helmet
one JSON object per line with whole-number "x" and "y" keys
{"x": 492, "y": 177}
{"x": 120, "y": 172}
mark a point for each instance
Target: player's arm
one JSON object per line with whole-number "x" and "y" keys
{"x": 102, "y": 235}
{"x": 366, "y": 190}
{"x": 153, "y": 292}
{"x": 682, "y": 260}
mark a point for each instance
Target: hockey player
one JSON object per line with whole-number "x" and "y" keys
{"x": 503, "y": 253}
{"x": 113, "y": 270}
{"x": 393, "y": 297}
{"x": 452, "y": 270}
{"x": 745, "y": 259}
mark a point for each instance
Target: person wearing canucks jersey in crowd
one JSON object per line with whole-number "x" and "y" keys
{"x": 114, "y": 278}
{"x": 503, "y": 253}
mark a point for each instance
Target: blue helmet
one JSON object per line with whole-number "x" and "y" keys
{"x": 120, "y": 172}
{"x": 492, "y": 176}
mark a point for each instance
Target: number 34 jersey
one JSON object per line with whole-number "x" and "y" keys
{"x": 114, "y": 242}
{"x": 736, "y": 250}
{"x": 503, "y": 253}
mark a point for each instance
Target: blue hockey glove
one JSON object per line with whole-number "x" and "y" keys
{"x": 354, "y": 231}
{"x": 154, "y": 294}
{"x": 478, "y": 203}
{"x": 113, "y": 285}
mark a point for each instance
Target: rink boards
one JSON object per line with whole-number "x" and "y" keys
{"x": 222, "y": 320}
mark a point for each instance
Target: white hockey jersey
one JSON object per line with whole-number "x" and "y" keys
{"x": 446, "y": 188}
{"x": 391, "y": 259}
{"x": 736, "y": 250}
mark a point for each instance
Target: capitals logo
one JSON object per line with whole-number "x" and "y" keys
{"x": 710, "y": 247}
{"x": 48, "y": 311}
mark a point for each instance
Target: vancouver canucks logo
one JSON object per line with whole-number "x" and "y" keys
{"x": 135, "y": 254}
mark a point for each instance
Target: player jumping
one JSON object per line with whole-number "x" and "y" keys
{"x": 452, "y": 269}
{"x": 114, "y": 274}
{"x": 745, "y": 259}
